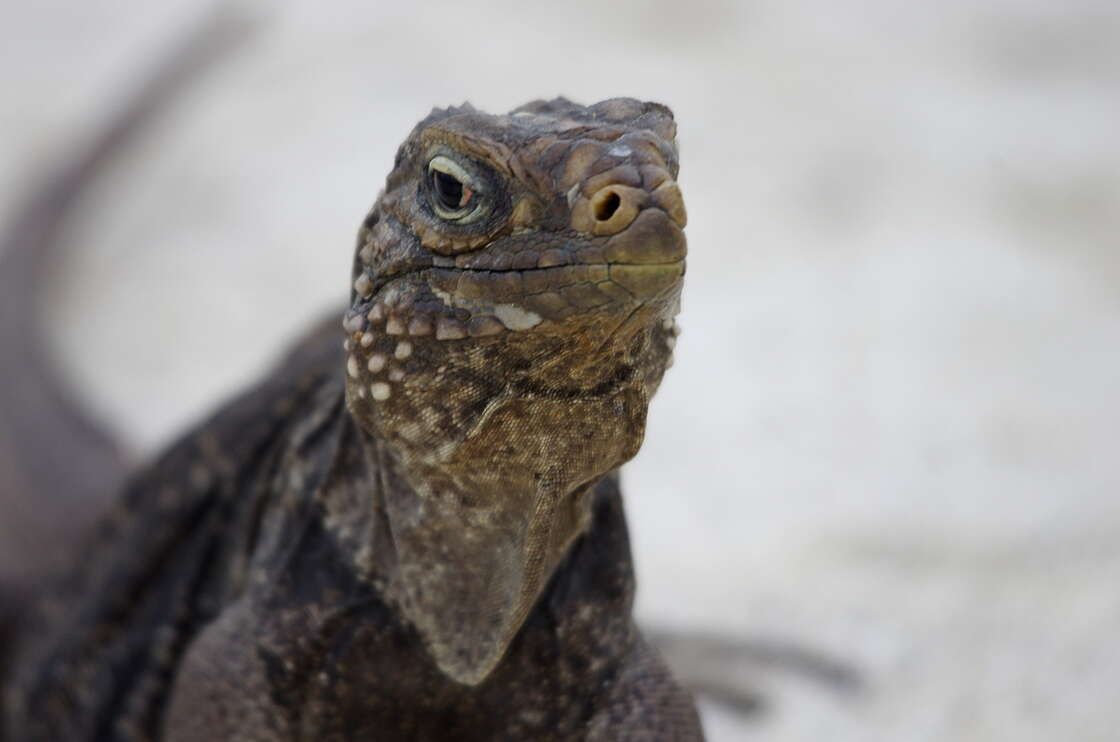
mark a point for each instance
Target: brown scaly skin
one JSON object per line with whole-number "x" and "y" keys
{"x": 421, "y": 538}
{"x": 507, "y": 364}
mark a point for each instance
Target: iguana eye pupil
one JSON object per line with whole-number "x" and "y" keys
{"x": 448, "y": 190}
{"x": 452, "y": 192}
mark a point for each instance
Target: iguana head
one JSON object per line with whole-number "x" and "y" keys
{"x": 512, "y": 314}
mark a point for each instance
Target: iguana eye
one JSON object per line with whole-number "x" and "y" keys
{"x": 453, "y": 193}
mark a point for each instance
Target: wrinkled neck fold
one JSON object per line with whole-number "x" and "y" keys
{"x": 468, "y": 566}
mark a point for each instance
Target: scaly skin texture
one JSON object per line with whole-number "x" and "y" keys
{"x": 419, "y": 537}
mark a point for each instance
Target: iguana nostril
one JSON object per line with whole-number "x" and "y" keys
{"x": 606, "y": 204}
{"x": 609, "y": 209}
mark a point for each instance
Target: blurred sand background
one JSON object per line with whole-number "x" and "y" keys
{"x": 891, "y": 431}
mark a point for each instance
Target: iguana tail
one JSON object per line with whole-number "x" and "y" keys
{"x": 59, "y": 466}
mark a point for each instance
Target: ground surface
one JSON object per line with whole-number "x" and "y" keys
{"x": 891, "y": 431}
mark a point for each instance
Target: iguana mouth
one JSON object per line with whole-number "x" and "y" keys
{"x": 522, "y": 299}
{"x": 583, "y": 285}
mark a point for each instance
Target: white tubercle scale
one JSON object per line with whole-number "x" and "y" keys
{"x": 380, "y": 391}
{"x": 363, "y": 286}
{"x": 515, "y": 317}
{"x": 670, "y": 326}
{"x": 512, "y": 316}
{"x": 353, "y": 323}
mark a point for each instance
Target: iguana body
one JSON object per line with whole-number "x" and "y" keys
{"x": 419, "y": 537}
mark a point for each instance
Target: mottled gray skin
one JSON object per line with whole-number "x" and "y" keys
{"x": 420, "y": 537}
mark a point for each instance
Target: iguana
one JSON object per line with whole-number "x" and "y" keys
{"x": 412, "y": 529}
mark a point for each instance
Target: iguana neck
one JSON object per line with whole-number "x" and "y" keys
{"x": 463, "y": 557}
{"x": 466, "y": 565}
